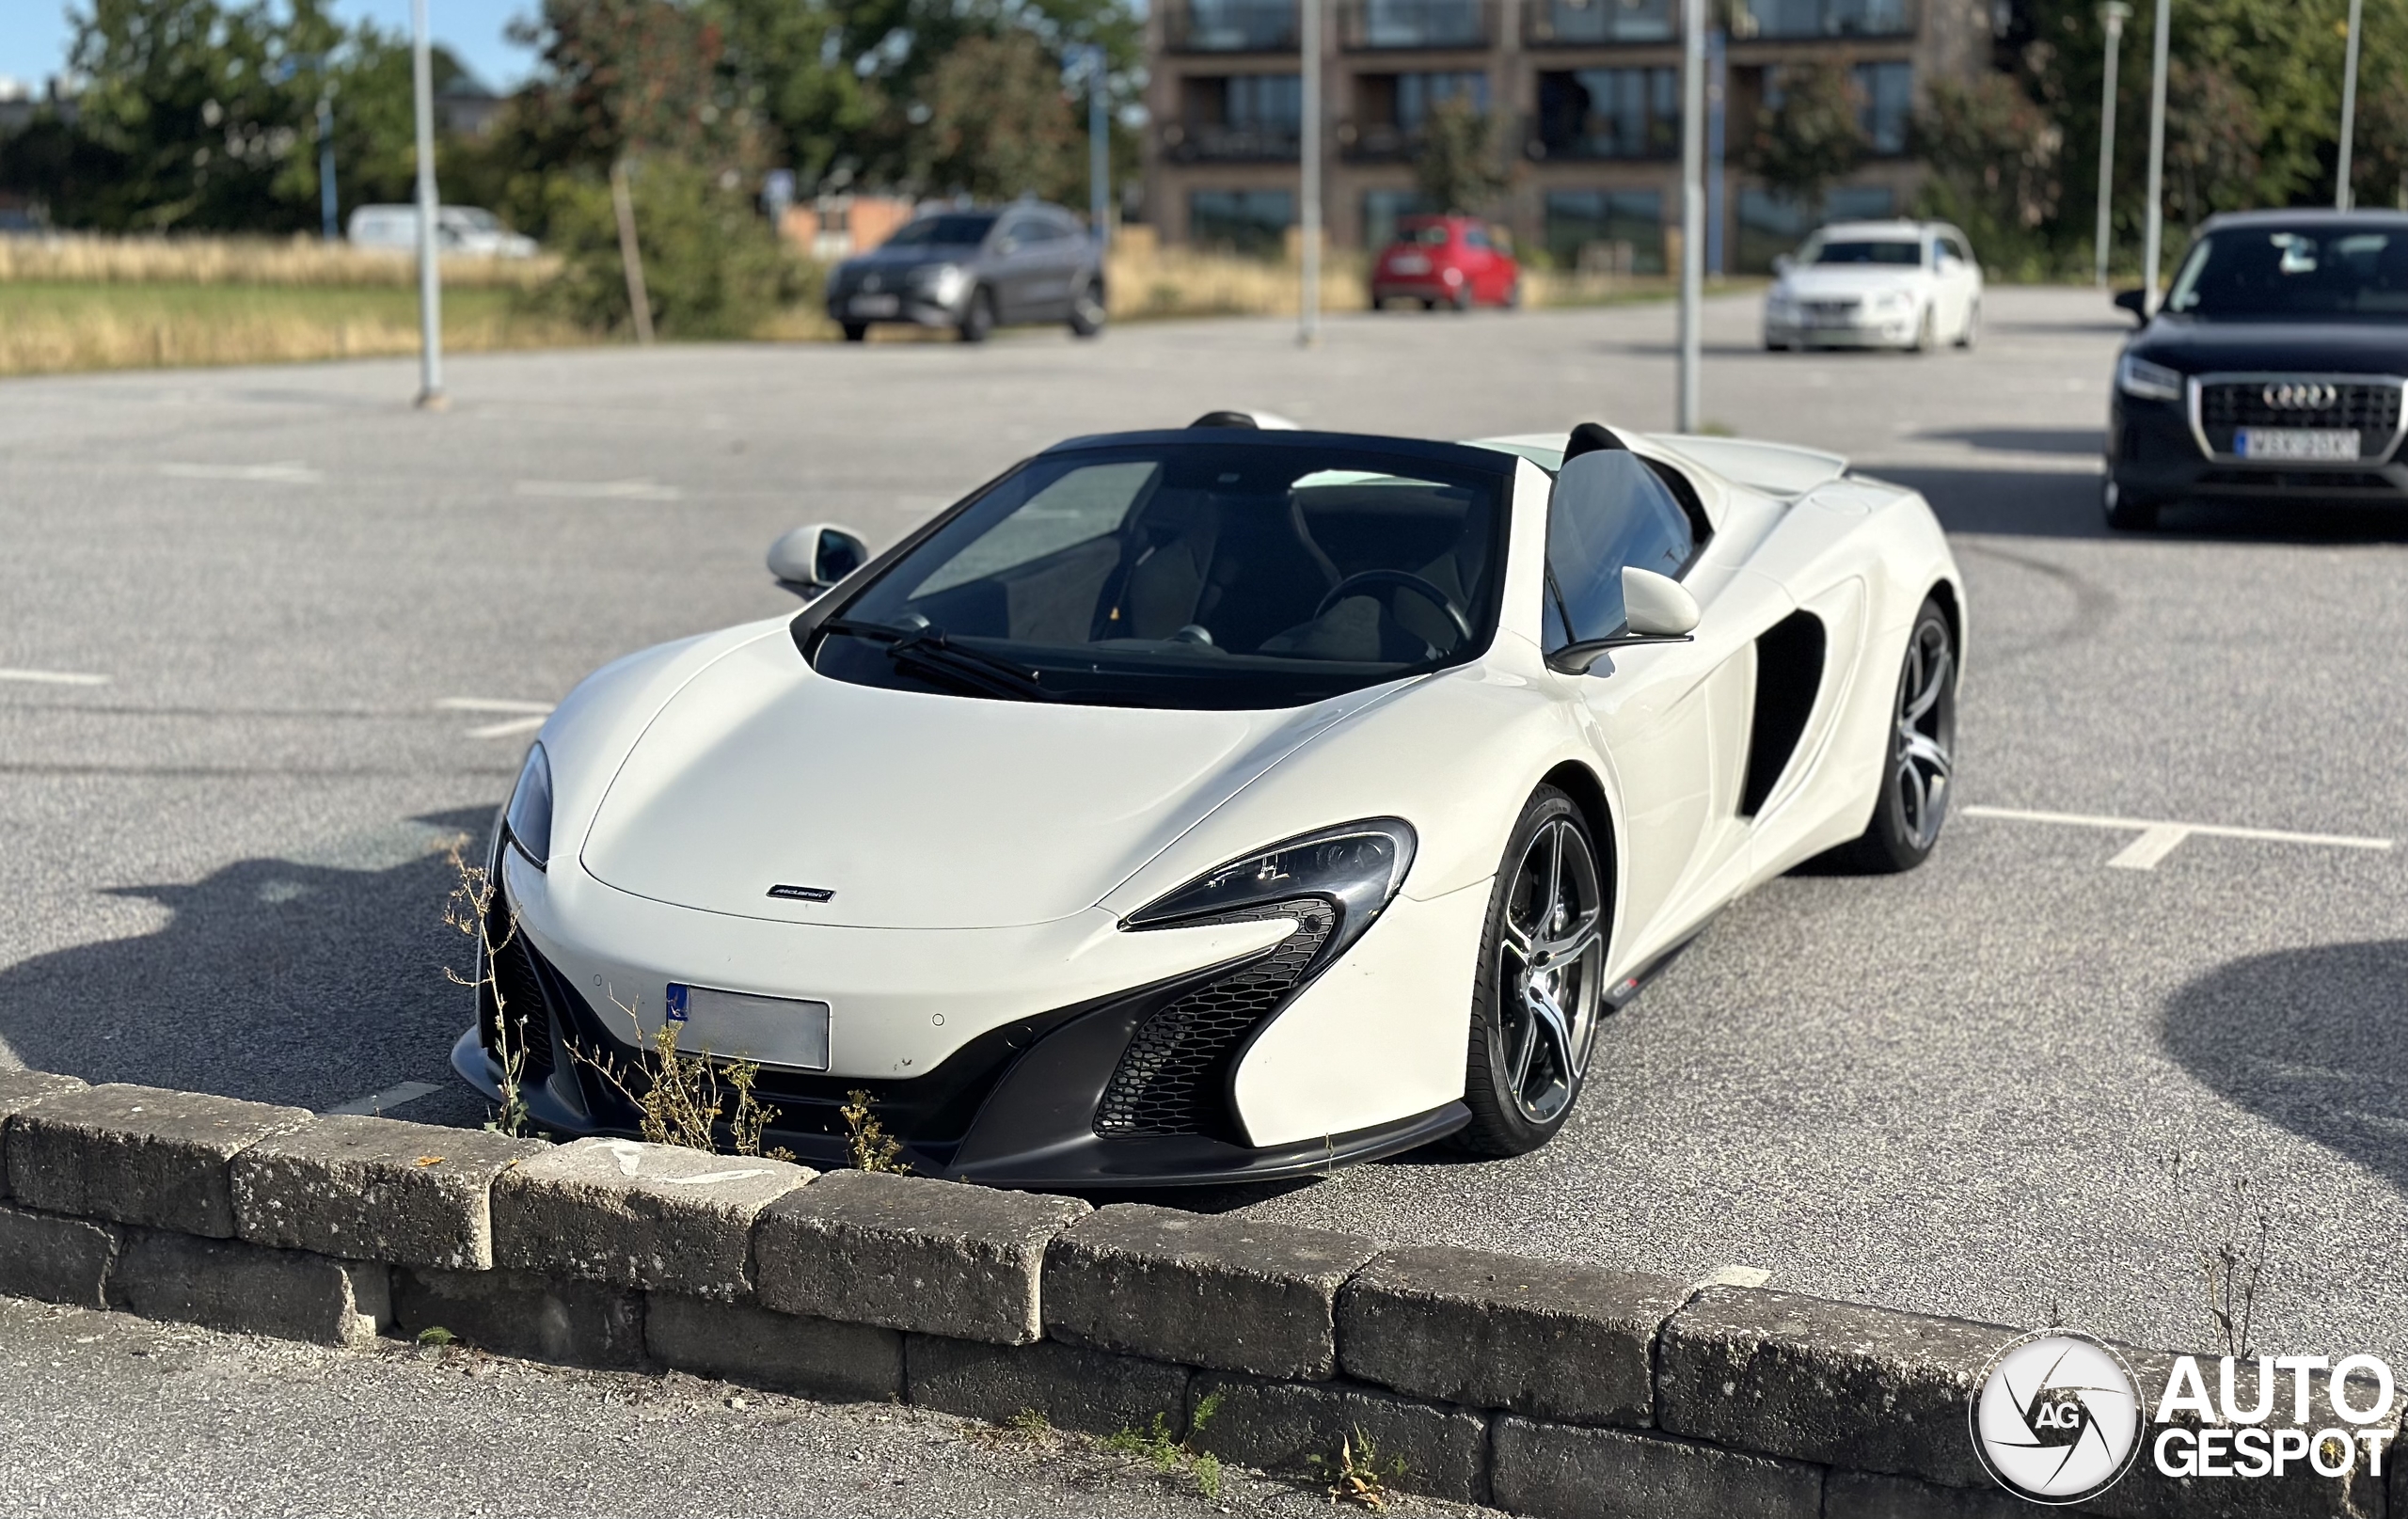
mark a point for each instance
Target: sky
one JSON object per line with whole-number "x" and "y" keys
{"x": 34, "y": 34}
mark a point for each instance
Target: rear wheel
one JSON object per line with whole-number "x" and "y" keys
{"x": 1541, "y": 983}
{"x": 2126, "y": 512}
{"x": 1916, "y": 778}
{"x": 856, "y": 332}
{"x": 1462, "y": 297}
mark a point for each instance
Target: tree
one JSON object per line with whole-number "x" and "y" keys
{"x": 998, "y": 124}
{"x": 1994, "y": 157}
{"x": 1812, "y": 136}
{"x": 2214, "y": 144}
{"x": 1455, "y": 167}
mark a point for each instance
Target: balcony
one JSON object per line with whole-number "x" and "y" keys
{"x": 1602, "y": 23}
{"x": 1400, "y": 25}
{"x": 1789, "y": 20}
{"x": 1376, "y": 142}
{"x": 1218, "y": 143}
{"x": 1230, "y": 26}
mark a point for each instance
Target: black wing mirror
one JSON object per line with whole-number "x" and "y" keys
{"x": 2137, "y": 301}
{"x": 810, "y": 560}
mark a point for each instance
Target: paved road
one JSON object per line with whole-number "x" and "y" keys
{"x": 1958, "y": 1091}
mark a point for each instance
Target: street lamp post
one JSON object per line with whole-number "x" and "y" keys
{"x": 430, "y": 273}
{"x": 2111, "y": 15}
{"x": 327, "y": 204}
{"x": 1098, "y": 151}
{"x": 2153, "y": 243}
{"x": 1692, "y": 203}
{"x": 1308, "y": 149}
{"x": 2349, "y": 111}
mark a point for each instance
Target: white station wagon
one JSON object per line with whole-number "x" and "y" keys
{"x": 1889, "y": 284}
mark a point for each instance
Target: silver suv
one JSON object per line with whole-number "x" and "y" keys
{"x": 974, "y": 271}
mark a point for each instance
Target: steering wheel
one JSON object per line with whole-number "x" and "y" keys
{"x": 1355, "y": 585}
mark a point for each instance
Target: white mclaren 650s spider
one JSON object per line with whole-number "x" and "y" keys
{"x": 1226, "y": 803}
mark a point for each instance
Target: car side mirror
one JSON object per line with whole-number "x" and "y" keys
{"x": 1658, "y": 606}
{"x": 2137, "y": 301}
{"x": 810, "y": 560}
{"x": 1782, "y": 263}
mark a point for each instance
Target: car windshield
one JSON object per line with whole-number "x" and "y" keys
{"x": 1203, "y": 575}
{"x": 1428, "y": 234}
{"x": 2345, "y": 272}
{"x": 1862, "y": 251}
{"x": 952, "y": 231}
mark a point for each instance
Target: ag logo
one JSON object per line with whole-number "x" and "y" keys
{"x": 2056, "y": 1418}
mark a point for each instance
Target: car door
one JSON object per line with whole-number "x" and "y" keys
{"x": 1016, "y": 274}
{"x": 1654, "y": 711}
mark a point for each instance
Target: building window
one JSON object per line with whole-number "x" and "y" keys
{"x": 1771, "y": 225}
{"x": 1821, "y": 18}
{"x": 1618, "y": 230}
{"x": 1610, "y": 113}
{"x": 1570, "y": 23}
{"x": 1416, "y": 94}
{"x": 1381, "y": 211}
{"x": 1238, "y": 118}
{"x": 1232, "y": 26}
{"x": 1889, "y": 90}
{"x": 1252, "y": 222}
{"x": 1416, "y": 24}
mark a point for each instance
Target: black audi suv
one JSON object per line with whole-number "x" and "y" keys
{"x": 2272, "y": 372}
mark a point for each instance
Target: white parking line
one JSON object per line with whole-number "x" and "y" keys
{"x": 391, "y": 1098}
{"x": 53, "y": 678}
{"x": 2159, "y": 838}
{"x": 285, "y": 473}
{"x": 601, "y": 490}
{"x": 535, "y": 712}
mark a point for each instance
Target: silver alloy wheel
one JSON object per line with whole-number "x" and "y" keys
{"x": 1926, "y": 734}
{"x": 1550, "y": 969}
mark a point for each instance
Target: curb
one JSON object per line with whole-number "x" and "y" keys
{"x": 1549, "y": 1388}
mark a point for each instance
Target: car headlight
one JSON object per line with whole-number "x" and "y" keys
{"x": 527, "y": 822}
{"x": 1891, "y": 300}
{"x": 2137, "y": 377}
{"x": 1355, "y": 868}
{"x": 941, "y": 280}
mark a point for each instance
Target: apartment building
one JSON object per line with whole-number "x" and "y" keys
{"x": 1589, "y": 92}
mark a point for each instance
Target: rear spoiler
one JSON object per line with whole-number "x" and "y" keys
{"x": 1775, "y": 468}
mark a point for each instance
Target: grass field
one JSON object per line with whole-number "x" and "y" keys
{"x": 48, "y": 326}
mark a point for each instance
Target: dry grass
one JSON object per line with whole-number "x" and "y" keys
{"x": 244, "y": 261}
{"x": 49, "y": 328}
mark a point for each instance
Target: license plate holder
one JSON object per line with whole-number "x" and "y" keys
{"x": 876, "y": 304}
{"x": 743, "y": 1025}
{"x": 2329, "y": 445}
{"x": 1409, "y": 263}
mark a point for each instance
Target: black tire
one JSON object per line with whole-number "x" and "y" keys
{"x": 1463, "y": 299}
{"x": 1523, "y": 1071}
{"x": 1919, "y": 770}
{"x": 2127, "y": 512}
{"x": 1087, "y": 311}
{"x": 1973, "y": 326}
{"x": 1513, "y": 296}
{"x": 978, "y": 317}
{"x": 1923, "y": 332}
{"x": 857, "y": 332}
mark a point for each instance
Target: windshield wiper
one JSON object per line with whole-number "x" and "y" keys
{"x": 927, "y": 650}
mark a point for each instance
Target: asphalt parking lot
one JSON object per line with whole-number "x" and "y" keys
{"x": 269, "y": 638}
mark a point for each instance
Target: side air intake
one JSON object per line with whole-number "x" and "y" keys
{"x": 1789, "y": 670}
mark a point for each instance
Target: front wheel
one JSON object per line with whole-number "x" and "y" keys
{"x": 1921, "y": 765}
{"x": 1088, "y": 312}
{"x": 1973, "y": 329}
{"x": 1923, "y": 332}
{"x": 856, "y": 332}
{"x": 978, "y": 317}
{"x": 2127, "y": 512}
{"x": 1541, "y": 983}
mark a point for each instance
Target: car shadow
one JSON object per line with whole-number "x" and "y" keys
{"x": 271, "y": 980}
{"x": 2060, "y": 503}
{"x": 2306, "y": 1039}
{"x": 2089, "y": 441}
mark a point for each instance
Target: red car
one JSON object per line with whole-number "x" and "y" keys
{"x": 1460, "y": 261}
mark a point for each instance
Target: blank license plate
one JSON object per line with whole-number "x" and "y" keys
{"x": 782, "y": 1031}
{"x": 1408, "y": 264}
{"x": 876, "y": 304}
{"x": 2296, "y": 443}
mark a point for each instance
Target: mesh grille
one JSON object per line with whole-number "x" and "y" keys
{"x": 522, "y": 995}
{"x": 1172, "y": 1078}
{"x": 2370, "y": 407}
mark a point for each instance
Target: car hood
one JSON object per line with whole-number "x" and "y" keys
{"x": 915, "y": 811}
{"x": 2196, "y": 347}
{"x": 1818, "y": 282}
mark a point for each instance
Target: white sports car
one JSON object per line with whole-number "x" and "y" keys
{"x": 1228, "y": 802}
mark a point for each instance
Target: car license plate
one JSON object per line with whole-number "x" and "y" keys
{"x": 876, "y": 304}
{"x": 1408, "y": 264}
{"x": 2296, "y": 443}
{"x": 782, "y": 1031}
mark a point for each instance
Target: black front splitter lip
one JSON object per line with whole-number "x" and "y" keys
{"x": 1086, "y": 1165}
